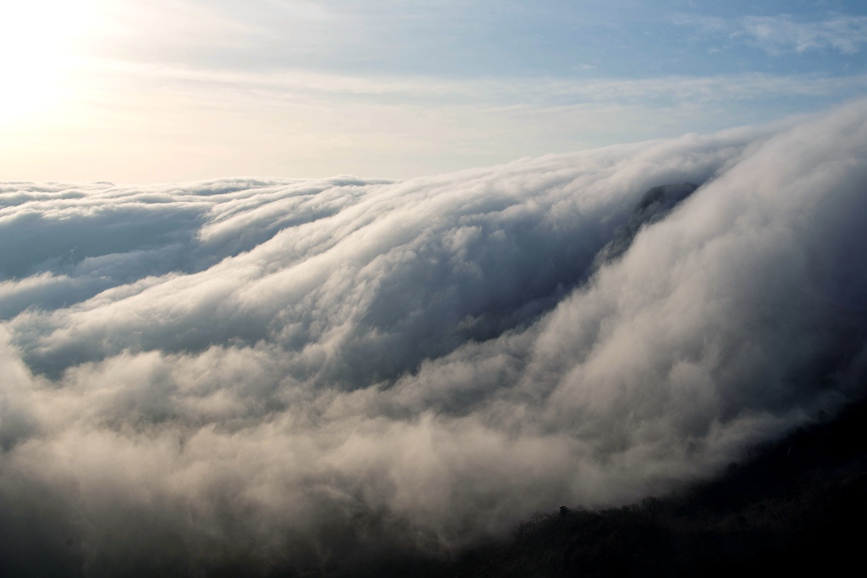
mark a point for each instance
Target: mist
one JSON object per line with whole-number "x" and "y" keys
{"x": 264, "y": 374}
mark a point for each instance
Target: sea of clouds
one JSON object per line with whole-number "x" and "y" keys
{"x": 308, "y": 372}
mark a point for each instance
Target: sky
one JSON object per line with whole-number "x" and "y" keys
{"x": 137, "y": 91}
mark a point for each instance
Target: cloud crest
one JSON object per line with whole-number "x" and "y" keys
{"x": 299, "y": 372}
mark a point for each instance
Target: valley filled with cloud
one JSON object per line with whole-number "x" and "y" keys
{"x": 295, "y": 373}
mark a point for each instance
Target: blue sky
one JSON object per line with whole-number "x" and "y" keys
{"x": 135, "y": 90}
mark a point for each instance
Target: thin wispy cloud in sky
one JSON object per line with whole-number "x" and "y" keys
{"x": 847, "y": 35}
{"x": 192, "y": 89}
{"x": 783, "y": 33}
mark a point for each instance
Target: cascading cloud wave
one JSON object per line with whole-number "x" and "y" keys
{"x": 283, "y": 370}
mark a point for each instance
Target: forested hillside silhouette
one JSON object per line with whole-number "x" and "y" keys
{"x": 796, "y": 505}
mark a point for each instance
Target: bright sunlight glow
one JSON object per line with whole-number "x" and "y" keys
{"x": 38, "y": 43}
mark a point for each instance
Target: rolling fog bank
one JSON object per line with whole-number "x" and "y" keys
{"x": 253, "y": 375}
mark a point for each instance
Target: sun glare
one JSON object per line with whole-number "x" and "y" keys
{"x": 39, "y": 40}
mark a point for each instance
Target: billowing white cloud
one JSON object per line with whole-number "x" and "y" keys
{"x": 278, "y": 372}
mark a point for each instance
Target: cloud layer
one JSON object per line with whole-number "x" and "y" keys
{"x": 288, "y": 373}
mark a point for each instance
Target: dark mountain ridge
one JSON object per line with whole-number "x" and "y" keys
{"x": 796, "y": 505}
